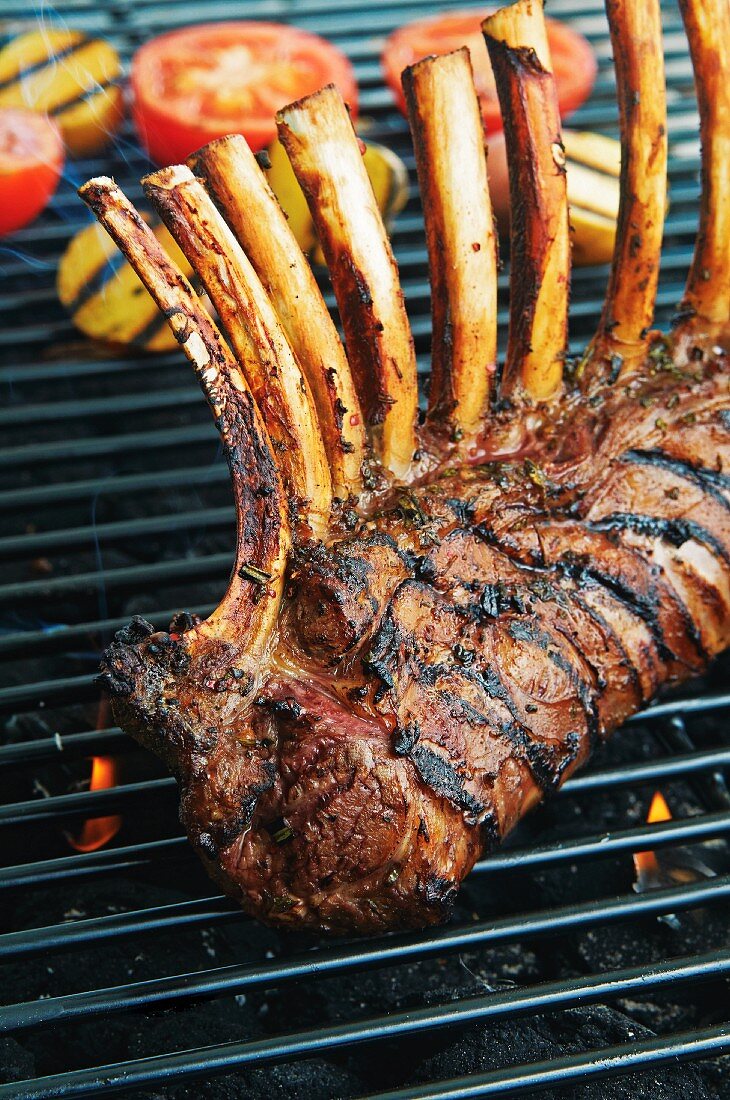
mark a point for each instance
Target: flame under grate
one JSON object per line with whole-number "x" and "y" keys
{"x": 115, "y": 502}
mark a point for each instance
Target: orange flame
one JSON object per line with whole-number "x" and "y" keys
{"x": 98, "y": 831}
{"x": 646, "y": 862}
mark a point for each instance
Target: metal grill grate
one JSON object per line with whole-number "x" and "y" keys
{"x": 115, "y": 501}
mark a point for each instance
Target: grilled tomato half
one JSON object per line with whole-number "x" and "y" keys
{"x": 31, "y": 160}
{"x": 574, "y": 62}
{"x": 202, "y": 82}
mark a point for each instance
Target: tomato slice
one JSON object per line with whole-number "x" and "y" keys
{"x": 205, "y": 81}
{"x": 31, "y": 159}
{"x": 574, "y": 62}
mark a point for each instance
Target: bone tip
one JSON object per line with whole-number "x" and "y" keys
{"x": 218, "y": 145}
{"x": 520, "y": 25}
{"x": 438, "y": 61}
{"x": 168, "y": 178}
{"x": 325, "y": 97}
{"x": 97, "y": 186}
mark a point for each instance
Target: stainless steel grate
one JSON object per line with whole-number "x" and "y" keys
{"x": 114, "y": 501}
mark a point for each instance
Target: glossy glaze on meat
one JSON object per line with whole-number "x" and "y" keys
{"x": 418, "y": 647}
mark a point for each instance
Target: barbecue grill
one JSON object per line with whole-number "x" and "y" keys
{"x": 120, "y": 966}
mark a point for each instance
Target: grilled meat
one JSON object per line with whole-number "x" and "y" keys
{"x": 428, "y": 628}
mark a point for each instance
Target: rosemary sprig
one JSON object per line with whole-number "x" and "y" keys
{"x": 252, "y": 573}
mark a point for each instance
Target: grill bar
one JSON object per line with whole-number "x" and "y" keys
{"x": 92, "y": 803}
{"x": 657, "y": 835}
{"x": 103, "y": 861}
{"x": 116, "y": 431}
{"x": 83, "y": 803}
{"x": 127, "y": 576}
{"x": 599, "y": 845}
{"x": 213, "y": 910}
{"x": 46, "y": 641}
{"x": 71, "y": 537}
{"x": 603, "y": 1064}
{"x": 105, "y": 445}
{"x": 207, "y": 911}
{"x": 70, "y": 746}
{"x": 71, "y": 689}
{"x": 73, "y": 369}
{"x": 498, "y": 1005}
{"x": 236, "y": 979}
{"x": 30, "y": 499}
{"x": 119, "y": 405}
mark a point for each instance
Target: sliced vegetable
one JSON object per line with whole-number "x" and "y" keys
{"x": 31, "y": 159}
{"x": 69, "y": 76}
{"x": 593, "y": 165}
{"x": 105, "y": 298}
{"x": 205, "y": 81}
{"x": 388, "y": 175}
{"x": 574, "y": 62}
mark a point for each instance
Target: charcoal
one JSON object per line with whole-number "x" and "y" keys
{"x": 16, "y": 1063}
{"x": 484, "y": 1048}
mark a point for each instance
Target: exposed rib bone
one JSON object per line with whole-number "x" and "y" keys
{"x": 255, "y": 334}
{"x": 540, "y": 244}
{"x": 708, "y": 286}
{"x": 321, "y": 144}
{"x": 448, "y": 136}
{"x": 242, "y": 192}
{"x": 636, "y": 35}
{"x": 262, "y": 541}
{"x": 452, "y": 650}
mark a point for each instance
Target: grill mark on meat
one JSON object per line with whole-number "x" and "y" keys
{"x": 441, "y": 777}
{"x": 495, "y": 600}
{"x": 588, "y": 695}
{"x": 644, "y": 607}
{"x": 606, "y": 627}
{"x": 710, "y": 481}
{"x": 233, "y": 827}
{"x": 508, "y": 544}
{"x": 493, "y": 684}
{"x": 543, "y": 760}
{"x": 382, "y": 653}
{"x": 524, "y": 631}
{"x": 674, "y": 531}
{"x": 548, "y": 763}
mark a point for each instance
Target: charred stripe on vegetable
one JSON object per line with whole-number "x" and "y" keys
{"x": 97, "y": 280}
{"x": 82, "y": 97}
{"x": 44, "y": 63}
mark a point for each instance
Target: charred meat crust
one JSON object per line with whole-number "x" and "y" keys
{"x": 359, "y": 717}
{"x": 437, "y": 673}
